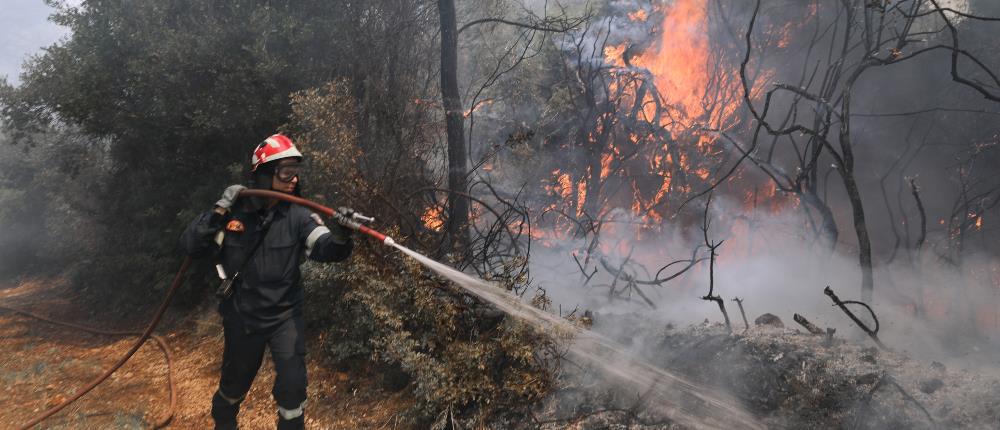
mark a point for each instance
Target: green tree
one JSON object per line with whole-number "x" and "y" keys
{"x": 183, "y": 90}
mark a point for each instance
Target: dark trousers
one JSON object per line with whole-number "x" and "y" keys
{"x": 243, "y": 354}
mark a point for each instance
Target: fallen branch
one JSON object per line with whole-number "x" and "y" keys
{"x": 885, "y": 379}
{"x": 583, "y": 270}
{"x": 645, "y": 298}
{"x": 619, "y": 272}
{"x": 808, "y": 325}
{"x": 631, "y": 283}
{"x": 843, "y": 306}
{"x": 907, "y": 396}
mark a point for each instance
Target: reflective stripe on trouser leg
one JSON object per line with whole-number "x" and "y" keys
{"x": 224, "y": 411}
{"x": 230, "y": 400}
{"x": 290, "y": 414}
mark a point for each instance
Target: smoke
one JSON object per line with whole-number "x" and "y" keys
{"x": 775, "y": 267}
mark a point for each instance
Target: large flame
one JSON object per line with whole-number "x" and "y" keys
{"x": 680, "y": 68}
{"x": 672, "y": 90}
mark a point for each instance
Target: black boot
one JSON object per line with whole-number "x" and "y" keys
{"x": 297, "y": 423}
{"x": 224, "y": 413}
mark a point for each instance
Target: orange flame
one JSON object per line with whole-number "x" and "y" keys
{"x": 639, "y": 15}
{"x": 681, "y": 84}
{"x": 680, "y": 67}
{"x": 477, "y": 106}
{"x": 432, "y": 218}
{"x": 614, "y": 55}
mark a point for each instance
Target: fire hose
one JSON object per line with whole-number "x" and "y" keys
{"x": 162, "y": 422}
{"x": 349, "y": 220}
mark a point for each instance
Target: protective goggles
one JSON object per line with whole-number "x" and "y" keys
{"x": 288, "y": 172}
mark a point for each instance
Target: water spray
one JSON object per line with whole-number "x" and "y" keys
{"x": 684, "y": 402}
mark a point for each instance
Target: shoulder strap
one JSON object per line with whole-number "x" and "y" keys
{"x": 226, "y": 289}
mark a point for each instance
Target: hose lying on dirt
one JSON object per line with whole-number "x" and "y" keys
{"x": 162, "y": 422}
{"x": 144, "y": 335}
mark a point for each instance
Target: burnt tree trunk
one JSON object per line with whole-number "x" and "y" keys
{"x": 828, "y": 227}
{"x": 864, "y": 240}
{"x": 458, "y": 205}
{"x": 853, "y": 193}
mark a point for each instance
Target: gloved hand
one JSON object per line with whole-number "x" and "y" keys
{"x": 342, "y": 230}
{"x": 229, "y": 196}
{"x": 343, "y": 216}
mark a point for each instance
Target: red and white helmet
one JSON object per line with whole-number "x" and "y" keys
{"x": 276, "y": 147}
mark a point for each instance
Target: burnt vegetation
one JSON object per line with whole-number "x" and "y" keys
{"x": 590, "y": 157}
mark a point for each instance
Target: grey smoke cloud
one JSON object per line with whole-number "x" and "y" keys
{"x": 778, "y": 269}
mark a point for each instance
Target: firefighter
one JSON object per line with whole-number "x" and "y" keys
{"x": 259, "y": 246}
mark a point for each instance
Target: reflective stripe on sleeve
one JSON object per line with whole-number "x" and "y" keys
{"x": 314, "y": 236}
{"x": 291, "y": 414}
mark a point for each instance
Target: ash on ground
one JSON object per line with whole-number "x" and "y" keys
{"x": 786, "y": 377}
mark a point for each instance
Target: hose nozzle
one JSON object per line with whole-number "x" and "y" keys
{"x": 361, "y": 218}
{"x": 351, "y": 214}
{"x": 353, "y": 220}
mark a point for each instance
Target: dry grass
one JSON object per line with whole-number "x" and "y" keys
{"x": 42, "y": 363}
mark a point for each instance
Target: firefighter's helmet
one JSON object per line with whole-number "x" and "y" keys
{"x": 273, "y": 148}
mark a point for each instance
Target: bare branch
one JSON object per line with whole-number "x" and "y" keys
{"x": 555, "y": 25}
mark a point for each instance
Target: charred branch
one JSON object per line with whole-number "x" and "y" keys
{"x": 583, "y": 270}
{"x": 746, "y": 324}
{"x": 886, "y": 379}
{"x": 812, "y": 328}
{"x": 712, "y": 246}
{"x": 552, "y": 24}
{"x": 871, "y": 332}
{"x": 915, "y": 190}
{"x": 631, "y": 285}
{"x": 989, "y": 91}
{"x": 458, "y": 206}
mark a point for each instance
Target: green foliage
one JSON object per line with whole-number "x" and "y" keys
{"x": 47, "y": 198}
{"x": 182, "y": 90}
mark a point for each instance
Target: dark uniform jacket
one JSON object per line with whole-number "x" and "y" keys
{"x": 267, "y": 290}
